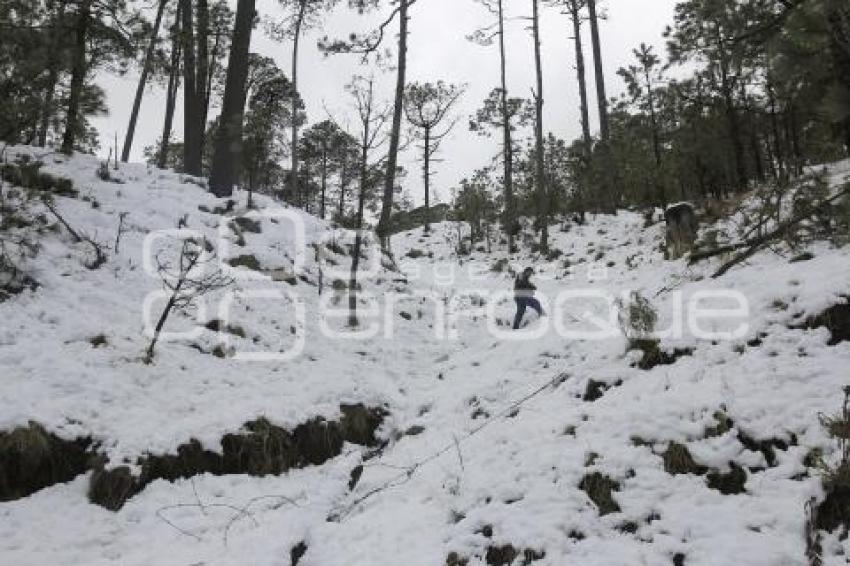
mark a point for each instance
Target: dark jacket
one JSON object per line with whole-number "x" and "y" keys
{"x": 523, "y": 288}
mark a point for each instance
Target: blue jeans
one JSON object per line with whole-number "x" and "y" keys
{"x": 523, "y": 303}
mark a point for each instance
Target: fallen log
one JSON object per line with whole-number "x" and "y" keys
{"x": 753, "y": 245}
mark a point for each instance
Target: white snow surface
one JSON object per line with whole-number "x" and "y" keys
{"x": 519, "y": 474}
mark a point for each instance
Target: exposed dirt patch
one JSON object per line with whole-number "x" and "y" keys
{"x": 836, "y": 319}
{"x": 678, "y": 460}
{"x": 246, "y": 224}
{"x": 455, "y": 559}
{"x": 216, "y": 325}
{"x": 32, "y": 459}
{"x": 262, "y": 448}
{"x": 297, "y": 553}
{"x": 249, "y": 261}
{"x": 596, "y": 389}
{"x": 730, "y": 483}
{"x": 654, "y": 356}
{"x": 600, "y": 490}
{"x": 767, "y": 447}
{"x": 506, "y": 555}
{"x": 834, "y": 511}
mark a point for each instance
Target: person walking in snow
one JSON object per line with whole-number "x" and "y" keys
{"x": 524, "y": 296}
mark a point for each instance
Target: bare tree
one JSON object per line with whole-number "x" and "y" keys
{"x": 193, "y": 275}
{"x": 574, "y": 10}
{"x": 427, "y": 106}
{"x": 369, "y": 44}
{"x": 301, "y": 16}
{"x": 540, "y": 179}
{"x": 373, "y": 118}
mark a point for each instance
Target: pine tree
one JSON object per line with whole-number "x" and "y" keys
{"x": 427, "y": 106}
{"x": 485, "y": 36}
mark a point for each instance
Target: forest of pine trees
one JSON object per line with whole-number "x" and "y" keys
{"x": 744, "y": 93}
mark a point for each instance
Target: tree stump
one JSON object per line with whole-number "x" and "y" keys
{"x": 682, "y": 229}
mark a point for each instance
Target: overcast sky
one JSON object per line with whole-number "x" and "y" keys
{"x": 438, "y": 50}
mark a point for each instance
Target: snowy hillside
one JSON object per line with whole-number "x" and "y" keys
{"x": 434, "y": 436}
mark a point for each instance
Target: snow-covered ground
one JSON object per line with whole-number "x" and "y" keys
{"x": 488, "y": 436}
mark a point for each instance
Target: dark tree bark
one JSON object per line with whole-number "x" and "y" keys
{"x": 796, "y": 147}
{"x": 143, "y": 79}
{"x": 575, "y": 14}
{"x": 171, "y": 93}
{"x": 210, "y": 74}
{"x": 838, "y": 20}
{"x": 601, "y": 97}
{"x": 192, "y": 150}
{"x": 52, "y": 75}
{"x": 201, "y": 98}
{"x": 383, "y": 228}
{"x": 774, "y": 126}
{"x": 296, "y": 44}
{"x": 540, "y": 157}
{"x": 426, "y": 168}
{"x": 509, "y": 219}
{"x": 610, "y": 176}
{"x": 324, "y": 174}
{"x": 78, "y": 76}
{"x": 343, "y": 185}
{"x": 228, "y": 142}
{"x": 727, "y": 91}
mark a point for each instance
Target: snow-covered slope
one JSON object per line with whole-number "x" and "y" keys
{"x": 491, "y": 434}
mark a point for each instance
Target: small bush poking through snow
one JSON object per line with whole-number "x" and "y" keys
{"x": 678, "y": 460}
{"x": 637, "y": 317}
{"x": 834, "y": 511}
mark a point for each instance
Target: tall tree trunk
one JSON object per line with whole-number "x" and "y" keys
{"x": 509, "y": 220}
{"x": 575, "y": 14}
{"x": 601, "y": 97}
{"x": 78, "y": 76}
{"x": 143, "y": 79}
{"x": 343, "y": 184}
{"x": 846, "y": 129}
{"x": 305, "y": 186}
{"x": 796, "y": 147}
{"x": 358, "y": 238}
{"x": 540, "y": 157}
{"x": 52, "y": 75}
{"x": 201, "y": 97}
{"x": 656, "y": 141}
{"x": 205, "y": 111}
{"x": 426, "y": 167}
{"x": 727, "y": 91}
{"x": 610, "y": 176}
{"x": 171, "y": 93}
{"x": 192, "y": 151}
{"x": 324, "y": 177}
{"x": 228, "y": 141}
{"x": 774, "y": 126}
{"x": 395, "y": 132}
{"x": 755, "y": 147}
{"x": 296, "y": 44}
